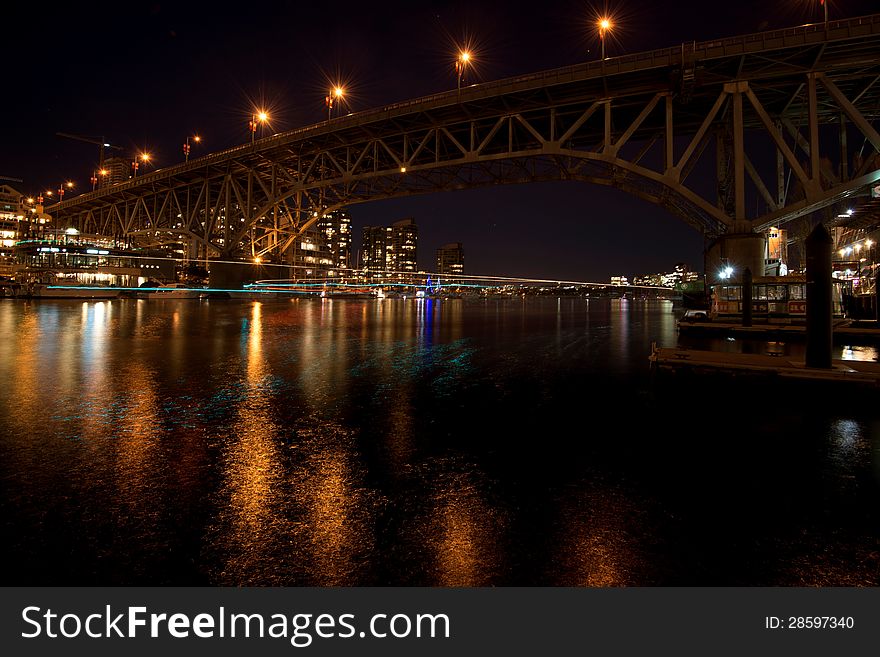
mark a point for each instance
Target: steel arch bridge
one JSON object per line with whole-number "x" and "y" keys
{"x": 778, "y": 124}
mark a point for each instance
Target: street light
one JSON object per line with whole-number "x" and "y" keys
{"x": 335, "y": 96}
{"x": 186, "y": 147}
{"x": 61, "y": 189}
{"x": 144, "y": 157}
{"x": 824, "y": 4}
{"x": 259, "y": 118}
{"x": 464, "y": 58}
{"x": 605, "y": 25}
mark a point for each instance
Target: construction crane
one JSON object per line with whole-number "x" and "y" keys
{"x": 97, "y": 141}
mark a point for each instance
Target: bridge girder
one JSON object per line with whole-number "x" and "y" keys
{"x": 643, "y": 127}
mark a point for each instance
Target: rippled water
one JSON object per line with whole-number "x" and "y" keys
{"x": 454, "y": 443}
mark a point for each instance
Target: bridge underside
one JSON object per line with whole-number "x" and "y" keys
{"x": 730, "y": 136}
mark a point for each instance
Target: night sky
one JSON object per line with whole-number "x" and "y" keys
{"x": 147, "y": 74}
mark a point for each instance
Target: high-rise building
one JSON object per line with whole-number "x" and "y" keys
{"x": 401, "y": 248}
{"x": 311, "y": 255}
{"x": 335, "y": 230}
{"x": 118, "y": 170}
{"x": 450, "y": 260}
{"x": 391, "y": 253}
{"x": 373, "y": 250}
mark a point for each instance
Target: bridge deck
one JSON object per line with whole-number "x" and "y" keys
{"x": 847, "y": 49}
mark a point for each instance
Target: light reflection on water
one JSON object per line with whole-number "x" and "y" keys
{"x": 451, "y": 443}
{"x": 858, "y": 352}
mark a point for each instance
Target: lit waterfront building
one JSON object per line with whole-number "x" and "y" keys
{"x": 20, "y": 218}
{"x": 311, "y": 255}
{"x": 390, "y": 252}
{"x": 373, "y": 252}
{"x": 619, "y": 280}
{"x": 450, "y": 261}
{"x": 334, "y": 228}
{"x": 401, "y": 250}
{"x": 11, "y": 216}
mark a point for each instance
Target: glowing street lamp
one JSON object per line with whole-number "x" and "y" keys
{"x": 257, "y": 119}
{"x": 335, "y": 96}
{"x": 186, "y": 147}
{"x": 62, "y": 188}
{"x": 143, "y": 157}
{"x": 464, "y": 58}
{"x": 605, "y": 25}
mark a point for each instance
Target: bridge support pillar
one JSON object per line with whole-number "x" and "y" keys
{"x": 233, "y": 275}
{"x": 739, "y": 251}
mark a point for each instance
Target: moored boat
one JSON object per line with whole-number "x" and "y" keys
{"x": 172, "y": 291}
{"x": 69, "y": 290}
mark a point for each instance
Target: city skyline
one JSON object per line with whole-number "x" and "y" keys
{"x": 166, "y": 88}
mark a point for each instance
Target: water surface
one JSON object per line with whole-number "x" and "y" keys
{"x": 404, "y": 442}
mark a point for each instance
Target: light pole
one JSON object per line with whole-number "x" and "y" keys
{"x": 464, "y": 58}
{"x": 257, "y": 119}
{"x": 824, "y": 4}
{"x": 62, "y": 188}
{"x": 144, "y": 157}
{"x": 335, "y": 95}
{"x": 186, "y": 147}
{"x": 605, "y": 26}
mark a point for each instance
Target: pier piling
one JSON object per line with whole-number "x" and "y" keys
{"x": 819, "y": 332}
{"x": 747, "y": 297}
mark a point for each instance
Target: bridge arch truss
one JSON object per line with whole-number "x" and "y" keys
{"x": 730, "y": 136}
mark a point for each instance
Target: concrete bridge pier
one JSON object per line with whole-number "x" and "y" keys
{"x": 233, "y": 275}
{"x": 740, "y": 251}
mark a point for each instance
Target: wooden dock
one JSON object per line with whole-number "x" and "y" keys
{"x": 843, "y": 331}
{"x": 864, "y": 373}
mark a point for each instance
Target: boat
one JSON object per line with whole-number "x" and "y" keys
{"x": 348, "y": 294}
{"x": 69, "y": 290}
{"x": 172, "y": 291}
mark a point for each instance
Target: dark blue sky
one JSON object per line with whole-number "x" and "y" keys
{"x": 146, "y": 74}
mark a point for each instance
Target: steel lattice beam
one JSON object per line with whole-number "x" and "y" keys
{"x": 618, "y": 122}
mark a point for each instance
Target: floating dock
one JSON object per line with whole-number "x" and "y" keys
{"x": 865, "y": 373}
{"x": 843, "y": 331}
